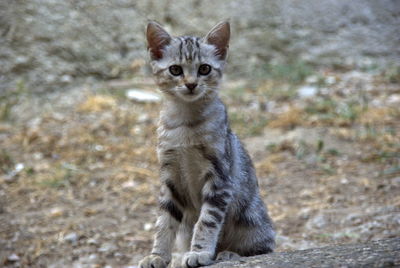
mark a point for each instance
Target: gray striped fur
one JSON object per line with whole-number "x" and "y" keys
{"x": 209, "y": 198}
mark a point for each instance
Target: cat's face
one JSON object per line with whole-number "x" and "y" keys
{"x": 188, "y": 68}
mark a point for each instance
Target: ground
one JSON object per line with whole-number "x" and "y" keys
{"x": 78, "y": 169}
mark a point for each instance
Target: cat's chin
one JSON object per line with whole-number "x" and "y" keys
{"x": 190, "y": 97}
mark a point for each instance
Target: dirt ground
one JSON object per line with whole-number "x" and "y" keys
{"x": 78, "y": 170}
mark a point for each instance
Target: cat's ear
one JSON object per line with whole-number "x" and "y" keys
{"x": 219, "y": 37}
{"x": 157, "y": 39}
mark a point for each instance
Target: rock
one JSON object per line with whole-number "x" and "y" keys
{"x": 307, "y": 91}
{"x": 92, "y": 241}
{"x": 330, "y": 80}
{"x": 19, "y": 167}
{"x": 148, "y": 226}
{"x": 312, "y": 79}
{"x": 12, "y": 175}
{"x": 142, "y": 96}
{"x": 56, "y": 212}
{"x": 129, "y": 185}
{"x": 317, "y": 222}
{"x": 381, "y": 253}
{"x": 71, "y": 238}
{"x": 107, "y": 247}
{"x": 93, "y": 257}
{"x": 13, "y": 258}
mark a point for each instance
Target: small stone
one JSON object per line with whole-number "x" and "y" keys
{"x": 307, "y": 92}
{"x": 312, "y": 79}
{"x": 38, "y": 156}
{"x": 147, "y": 226}
{"x": 71, "y": 238}
{"x": 330, "y": 80}
{"x": 142, "y": 96}
{"x": 118, "y": 255}
{"x": 13, "y": 258}
{"x": 56, "y": 212}
{"x": 395, "y": 98}
{"x": 99, "y": 148}
{"x": 396, "y": 180}
{"x": 93, "y": 257}
{"x": 319, "y": 221}
{"x": 10, "y": 178}
{"x": 19, "y": 167}
{"x": 107, "y": 247}
{"x": 129, "y": 184}
{"x": 66, "y": 78}
{"x": 92, "y": 241}
{"x": 144, "y": 118}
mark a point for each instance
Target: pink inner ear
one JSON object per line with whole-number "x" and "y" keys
{"x": 157, "y": 39}
{"x": 219, "y": 37}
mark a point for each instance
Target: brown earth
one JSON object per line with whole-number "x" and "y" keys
{"x": 78, "y": 185}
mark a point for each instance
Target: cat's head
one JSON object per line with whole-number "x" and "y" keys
{"x": 188, "y": 68}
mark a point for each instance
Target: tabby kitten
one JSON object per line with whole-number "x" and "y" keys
{"x": 209, "y": 197}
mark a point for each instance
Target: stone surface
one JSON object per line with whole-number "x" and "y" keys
{"x": 382, "y": 253}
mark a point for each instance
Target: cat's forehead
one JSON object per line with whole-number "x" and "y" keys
{"x": 189, "y": 49}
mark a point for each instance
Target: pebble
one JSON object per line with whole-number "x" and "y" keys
{"x": 128, "y": 184}
{"x": 395, "y": 98}
{"x": 71, "y": 238}
{"x": 147, "y": 226}
{"x": 92, "y": 241}
{"x": 56, "y": 212}
{"x": 312, "y": 79}
{"x": 142, "y": 96}
{"x": 319, "y": 221}
{"x": 307, "y": 91}
{"x": 12, "y": 176}
{"x": 344, "y": 180}
{"x": 330, "y": 80}
{"x": 13, "y": 258}
{"x": 93, "y": 257}
{"x": 107, "y": 247}
{"x": 19, "y": 167}
{"x": 66, "y": 78}
{"x": 144, "y": 118}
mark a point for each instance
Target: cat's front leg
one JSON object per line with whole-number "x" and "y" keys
{"x": 160, "y": 256}
{"x": 170, "y": 217}
{"x": 216, "y": 197}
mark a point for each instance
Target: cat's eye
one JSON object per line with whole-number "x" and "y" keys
{"x": 175, "y": 70}
{"x": 204, "y": 69}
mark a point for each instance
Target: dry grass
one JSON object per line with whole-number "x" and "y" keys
{"x": 92, "y": 170}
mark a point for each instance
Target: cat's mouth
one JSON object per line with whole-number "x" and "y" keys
{"x": 190, "y": 96}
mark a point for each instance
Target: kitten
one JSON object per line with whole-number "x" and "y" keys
{"x": 209, "y": 197}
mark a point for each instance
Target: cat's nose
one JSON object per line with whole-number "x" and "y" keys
{"x": 191, "y": 86}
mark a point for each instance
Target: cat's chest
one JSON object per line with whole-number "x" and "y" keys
{"x": 193, "y": 167}
{"x": 183, "y": 136}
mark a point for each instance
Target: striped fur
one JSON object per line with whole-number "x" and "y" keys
{"x": 210, "y": 199}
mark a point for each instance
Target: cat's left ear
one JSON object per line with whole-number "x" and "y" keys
{"x": 219, "y": 37}
{"x": 157, "y": 39}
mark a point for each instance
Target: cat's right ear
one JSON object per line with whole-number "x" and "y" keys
{"x": 157, "y": 39}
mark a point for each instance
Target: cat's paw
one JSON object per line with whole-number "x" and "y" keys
{"x": 195, "y": 259}
{"x": 153, "y": 261}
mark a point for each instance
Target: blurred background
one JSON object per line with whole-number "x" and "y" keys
{"x": 312, "y": 88}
